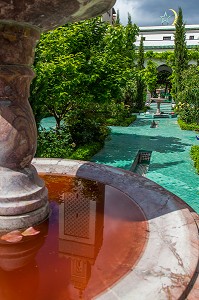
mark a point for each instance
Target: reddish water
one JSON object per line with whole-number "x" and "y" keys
{"x": 95, "y": 235}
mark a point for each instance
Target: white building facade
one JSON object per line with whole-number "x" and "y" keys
{"x": 161, "y": 38}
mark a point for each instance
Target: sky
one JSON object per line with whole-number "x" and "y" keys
{"x": 148, "y": 12}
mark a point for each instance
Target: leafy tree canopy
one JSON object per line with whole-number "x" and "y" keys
{"x": 86, "y": 62}
{"x": 151, "y": 75}
{"x": 188, "y": 106}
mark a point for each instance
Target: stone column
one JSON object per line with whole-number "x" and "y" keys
{"x": 23, "y": 196}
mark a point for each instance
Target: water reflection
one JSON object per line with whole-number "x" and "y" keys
{"x": 94, "y": 236}
{"x": 81, "y": 221}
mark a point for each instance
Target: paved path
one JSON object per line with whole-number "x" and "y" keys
{"x": 171, "y": 165}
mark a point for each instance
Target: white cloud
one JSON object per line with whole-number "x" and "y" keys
{"x": 125, "y": 7}
{"x": 148, "y": 12}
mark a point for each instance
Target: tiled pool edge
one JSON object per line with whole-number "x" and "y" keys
{"x": 170, "y": 259}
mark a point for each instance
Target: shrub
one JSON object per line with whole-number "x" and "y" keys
{"x": 59, "y": 144}
{"x": 188, "y": 96}
{"x": 54, "y": 143}
{"x": 195, "y": 156}
{"x": 87, "y": 151}
{"x": 119, "y": 114}
{"x": 86, "y": 126}
{"x": 121, "y": 122}
{"x": 184, "y": 126}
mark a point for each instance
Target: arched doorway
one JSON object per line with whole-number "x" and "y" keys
{"x": 163, "y": 81}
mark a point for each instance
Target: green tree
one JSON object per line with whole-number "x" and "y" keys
{"x": 82, "y": 70}
{"x": 140, "y": 61}
{"x": 141, "y": 87}
{"x": 180, "y": 55}
{"x": 131, "y": 31}
{"x": 188, "y": 106}
{"x": 65, "y": 61}
{"x": 151, "y": 76}
{"x": 117, "y": 21}
{"x": 129, "y": 91}
{"x": 56, "y": 88}
{"x": 82, "y": 64}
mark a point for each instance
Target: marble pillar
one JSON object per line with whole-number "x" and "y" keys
{"x": 23, "y": 196}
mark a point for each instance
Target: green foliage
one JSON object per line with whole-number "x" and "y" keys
{"x": 188, "y": 106}
{"x": 54, "y": 143}
{"x": 129, "y": 92}
{"x": 87, "y": 151}
{"x": 194, "y": 153}
{"x": 64, "y": 63}
{"x": 117, "y": 21}
{"x": 58, "y": 144}
{"x": 140, "y": 62}
{"x": 167, "y": 56}
{"x": 141, "y": 86}
{"x": 129, "y": 120}
{"x": 193, "y": 54}
{"x": 88, "y": 61}
{"x": 86, "y": 126}
{"x": 150, "y": 75}
{"x": 119, "y": 55}
{"x": 125, "y": 122}
{"x": 81, "y": 68}
{"x": 162, "y": 78}
{"x": 185, "y": 126}
{"x": 57, "y": 85}
{"x": 180, "y": 55}
{"x": 141, "y": 93}
{"x": 118, "y": 114}
{"x": 195, "y": 156}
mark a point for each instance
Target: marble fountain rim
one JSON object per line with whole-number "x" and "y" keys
{"x": 167, "y": 268}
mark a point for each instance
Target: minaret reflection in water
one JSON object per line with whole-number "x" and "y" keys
{"x": 81, "y": 221}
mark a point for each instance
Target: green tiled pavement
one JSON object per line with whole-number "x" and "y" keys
{"x": 171, "y": 165}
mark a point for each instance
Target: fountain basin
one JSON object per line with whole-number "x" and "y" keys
{"x": 85, "y": 228}
{"x": 167, "y": 266}
{"x": 158, "y": 100}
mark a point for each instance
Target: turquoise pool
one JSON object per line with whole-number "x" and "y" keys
{"x": 171, "y": 165}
